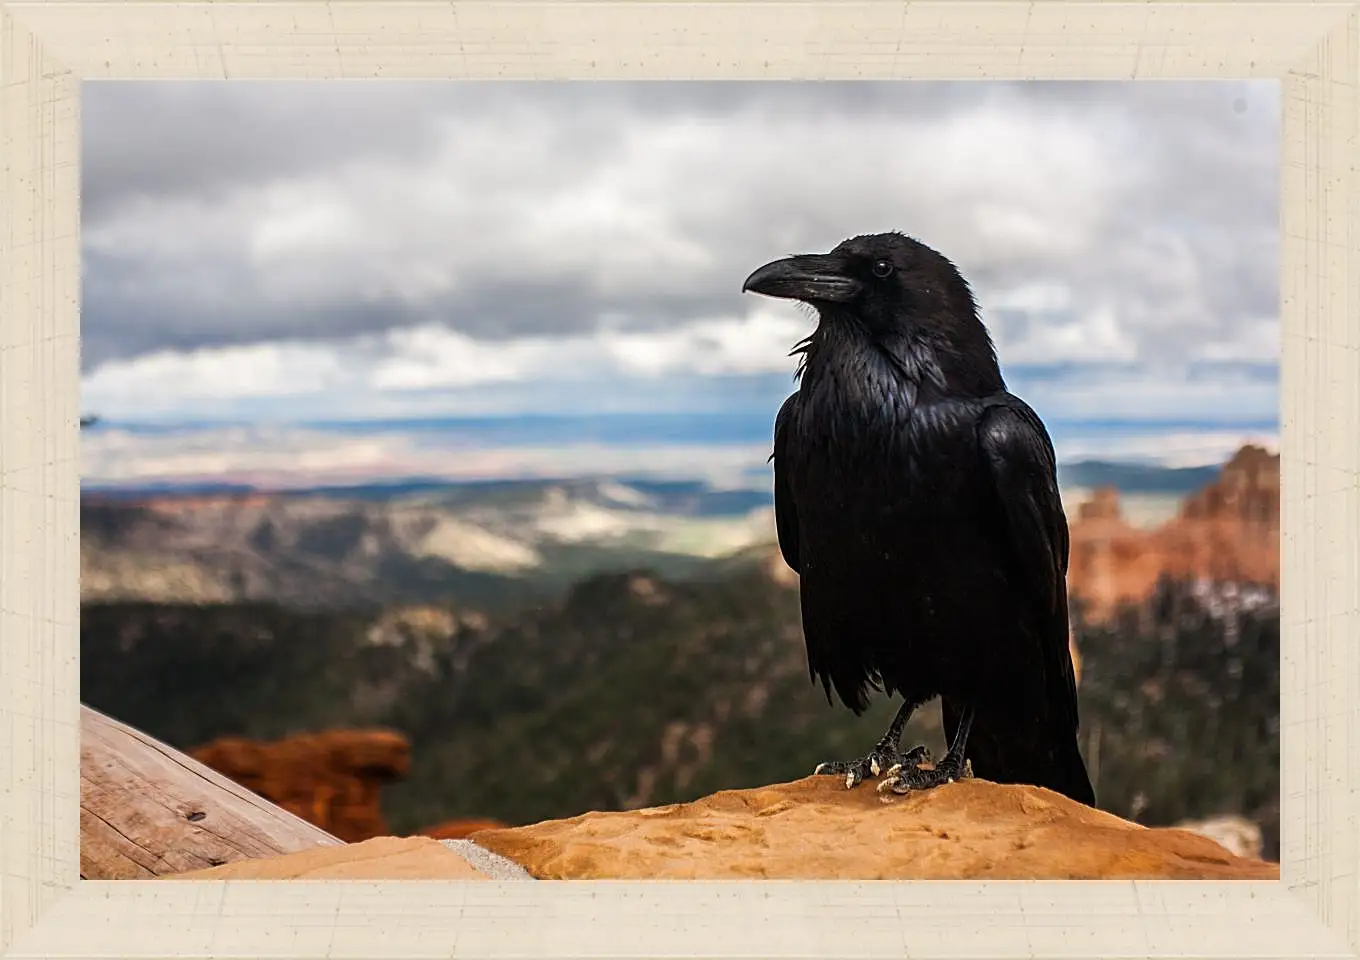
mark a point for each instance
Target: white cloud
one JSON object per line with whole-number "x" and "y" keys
{"x": 1062, "y": 337}
{"x": 1170, "y": 449}
{"x": 1035, "y": 296}
{"x": 1253, "y": 341}
{"x": 165, "y": 379}
{"x": 1153, "y": 393}
{"x": 208, "y": 380}
{"x": 432, "y": 370}
{"x": 758, "y": 343}
{"x": 429, "y": 356}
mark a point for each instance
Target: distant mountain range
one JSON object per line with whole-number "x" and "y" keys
{"x": 489, "y": 544}
{"x": 690, "y": 496}
{"x": 1135, "y": 478}
{"x": 492, "y": 544}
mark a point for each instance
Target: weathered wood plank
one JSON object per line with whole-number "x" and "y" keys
{"x": 147, "y": 810}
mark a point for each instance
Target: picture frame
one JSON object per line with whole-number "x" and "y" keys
{"x": 48, "y": 47}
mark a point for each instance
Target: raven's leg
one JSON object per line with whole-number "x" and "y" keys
{"x": 884, "y": 755}
{"x": 908, "y": 777}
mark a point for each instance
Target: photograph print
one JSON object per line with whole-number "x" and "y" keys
{"x": 680, "y": 480}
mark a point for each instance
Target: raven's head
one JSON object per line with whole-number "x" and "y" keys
{"x": 888, "y": 281}
{"x": 899, "y": 294}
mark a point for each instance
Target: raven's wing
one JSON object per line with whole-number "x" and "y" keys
{"x": 826, "y": 662}
{"x": 1018, "y": 453}
{"x": 785, "y": 512}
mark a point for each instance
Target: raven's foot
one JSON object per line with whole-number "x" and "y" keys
{"x": 882, "y": 758}
{"x": 954, "y": 766}
{"x": 905, "y": 778}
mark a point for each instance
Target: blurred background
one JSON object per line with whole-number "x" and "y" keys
{"x": 424, "y": 457}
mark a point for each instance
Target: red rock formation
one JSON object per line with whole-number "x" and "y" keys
{"x": 1110, "y": 560}
{"x": 332, "y": 779}
{"x": 458, "y": 829}
{"x": 1229, "y": 532}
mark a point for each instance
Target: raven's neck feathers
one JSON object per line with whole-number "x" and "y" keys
{"x": 948, "y": 358}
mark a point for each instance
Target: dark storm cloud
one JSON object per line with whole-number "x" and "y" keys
{"x": 159, "y": 138}
{"x": 221, "y": 213}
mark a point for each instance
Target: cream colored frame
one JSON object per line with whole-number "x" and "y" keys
{"x": 46, "y": 48}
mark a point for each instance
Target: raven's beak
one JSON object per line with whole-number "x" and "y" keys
{"x": 812, "y": 278}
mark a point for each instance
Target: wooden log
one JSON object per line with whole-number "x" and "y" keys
{"x": 147, "y": 810}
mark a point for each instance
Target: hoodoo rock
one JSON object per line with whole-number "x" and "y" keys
{"x": 1227, "y": 532}
{"x": 332, "y": 779}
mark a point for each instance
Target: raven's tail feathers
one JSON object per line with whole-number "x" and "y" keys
{"x": 1068, "y": 775}
{"x": 998, "y": 752}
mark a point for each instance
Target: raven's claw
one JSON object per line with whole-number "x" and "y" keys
{"x": 898, "y": 780}
{"x": 882, "y": 758}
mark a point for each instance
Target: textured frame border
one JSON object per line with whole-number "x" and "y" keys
{"x": 46, "y": 48}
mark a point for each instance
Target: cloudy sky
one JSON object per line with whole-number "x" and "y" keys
{"x": 303, "y": 281}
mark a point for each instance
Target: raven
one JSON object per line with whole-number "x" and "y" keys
{"x": 918, "y": 501}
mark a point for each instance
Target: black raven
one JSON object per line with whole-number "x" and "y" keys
{"x": 918, "y": 501}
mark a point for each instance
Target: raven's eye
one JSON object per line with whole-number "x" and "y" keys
{"x": 882, "y": 268}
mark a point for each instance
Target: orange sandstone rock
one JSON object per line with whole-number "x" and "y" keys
{"x": 1229, "y": 531}
{"x": 332, "y": 779}
{"x": 815, "y": 829}
{"x": 381, "y": 858}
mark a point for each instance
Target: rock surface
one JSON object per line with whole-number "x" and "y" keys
{"x": 382, "y": 858}
{"x": 332, "y": 779}
{"x": 811, "y": 829}
{"x": 815, "y": 829}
